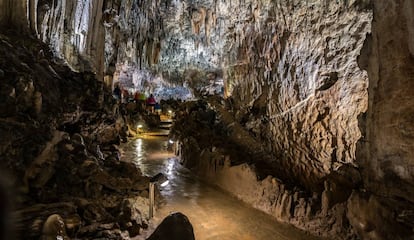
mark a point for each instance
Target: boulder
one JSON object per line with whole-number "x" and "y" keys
{"x": 54, "y": 228}
{"x": 129, "y": 217}
{"x": 175, "y": 226}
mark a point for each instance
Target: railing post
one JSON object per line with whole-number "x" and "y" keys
{"x": 151, "y": 199}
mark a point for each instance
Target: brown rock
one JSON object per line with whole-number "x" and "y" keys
{"x": 175, "y": 226}
{"x": 54, "y": 228}
{"x": 88, "y": 168}
{"x": 373, "y": 218}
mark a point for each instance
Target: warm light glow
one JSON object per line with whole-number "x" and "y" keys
{"x": 138, "y": 148}
{"x": 139, "y": 126}
{"x": 169, "y": 111}
{"x": 170, "y": 167}
{"x": 164, "y": 183}
{"x": 171, "y": 141}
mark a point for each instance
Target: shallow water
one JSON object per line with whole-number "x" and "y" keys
{"x": 213, "y": 213}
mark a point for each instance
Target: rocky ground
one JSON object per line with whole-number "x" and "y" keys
{"x": 60, "y": 162}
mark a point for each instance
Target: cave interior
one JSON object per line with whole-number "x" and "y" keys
{"x": 303, "y": 110}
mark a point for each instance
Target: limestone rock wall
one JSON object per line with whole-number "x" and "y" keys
{"x": 219, "y": 150}
{"x": 389, "y": 122}
{"x": 133, "y": 38}
{"x": 74, "y": 29}
{"x": 384, "y": 209}
{"x": 156, "y": 45}
{"x": 59, "y": 154}
{"x": 289, "y": 67}
{"x": 301, "y": 85}
{"x": 14, "y": 12}
{"x": 296, "y": 84}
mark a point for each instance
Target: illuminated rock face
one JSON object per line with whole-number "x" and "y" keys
{"x": 297, "y": 79}
{"x": 74, "y": 31}
{"x": 72, "y": 28}
{"x": 289, "y": 67}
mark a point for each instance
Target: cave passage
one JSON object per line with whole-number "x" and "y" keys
{"x": 302, "y": 110}
{"x": 213, "y": 213}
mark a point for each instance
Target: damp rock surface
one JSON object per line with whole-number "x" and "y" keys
{"x": 60, "y": 153}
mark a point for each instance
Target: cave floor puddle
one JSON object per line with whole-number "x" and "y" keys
{"x": 214, "y": 214}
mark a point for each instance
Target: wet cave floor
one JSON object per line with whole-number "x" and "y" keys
{"x": 213, "y": 213}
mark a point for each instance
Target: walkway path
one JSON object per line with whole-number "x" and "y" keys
{"x": 214, "y": 214}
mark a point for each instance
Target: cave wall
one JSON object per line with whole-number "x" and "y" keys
{"x": 14, "y": 12}
{"x": 73, "y": 29}
{"x": 290, "y": 68}
{"x": 155, "y": 45}
{"x": 385, "y": 153}
{"x": 133, "y": 34}
{"x": 389, "y": 120}
{"x": 299, "y": 76}
{"x": 301, "y": 85}
{"x": 297, "y": 84}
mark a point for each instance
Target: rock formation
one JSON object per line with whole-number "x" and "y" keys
{"x": 60, "y": 132}
{"x": 175, "y": 226}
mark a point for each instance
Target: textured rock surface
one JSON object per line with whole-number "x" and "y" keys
{"x": 59, "y": 133}
{"x": 73, "y": 29}
{"x": 386, "y": 151}
{"x": 301, "y": 84}
{"x": 223, "y": 153}
{"x": 290, "y": 67}
{"x": 75, "y": 32}
{"x": 389, "y": 122}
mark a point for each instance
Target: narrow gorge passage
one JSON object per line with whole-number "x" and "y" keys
{"x": 215, "y": 215}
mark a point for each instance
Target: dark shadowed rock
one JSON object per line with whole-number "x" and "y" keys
{"x": 129, "y": 217}
{"x": 54, "y": 228}
{"x": 176, "y": 226}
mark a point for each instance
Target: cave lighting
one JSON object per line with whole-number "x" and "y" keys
{"x": 164, "y": 183}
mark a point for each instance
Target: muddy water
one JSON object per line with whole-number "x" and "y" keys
{"x": 213, "y": 213}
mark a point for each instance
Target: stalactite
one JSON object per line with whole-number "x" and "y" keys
{"x": 156, "y": 54}
{"x": 33, "y": 16}
{"x": 195, "y": 22}
{"x": 208, "y": 23}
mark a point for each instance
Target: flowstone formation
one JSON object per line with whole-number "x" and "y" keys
{"x": 61, "y": 173}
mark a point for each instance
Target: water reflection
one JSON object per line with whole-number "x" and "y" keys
{"x": 138, "y": 148}
{"x": 149, "y": 154}
{"x": 213, "y": 213}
